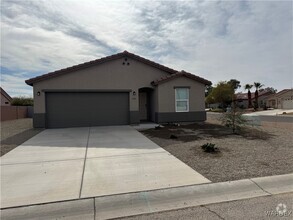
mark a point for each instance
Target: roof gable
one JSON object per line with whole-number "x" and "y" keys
{"x": 99, "y": 61}
{"x": 181, "y": 74}
{"x": 5, "y": 94}
{"x": 172, "y": 72}
{"x": 282, "y": 92}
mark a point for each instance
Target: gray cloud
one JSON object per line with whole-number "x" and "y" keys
{"x": 48, "y": 19}
{"x": 219, "y": 40}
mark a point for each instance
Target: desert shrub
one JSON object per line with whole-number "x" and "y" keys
{"x": 234, "y": 120}
{"x": 217, "y": 110}
{"x": 209, "y": 148}
{"x": 173, "y": 136}
{"x": 22, "y": 101}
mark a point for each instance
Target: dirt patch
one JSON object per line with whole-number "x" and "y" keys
{"x": 13, "y": 127}
{"x": 199, "y": 131}
{"x": 254, "y": 152}
{"x": 16, "y": 132}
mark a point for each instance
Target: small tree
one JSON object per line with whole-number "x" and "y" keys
{"x": 271, "y": 89}
{"x": 208, "y": 90}
{"x": 234, "y": 83}
{"x": 234, "y": 120}
{"x": 222, "y": 93}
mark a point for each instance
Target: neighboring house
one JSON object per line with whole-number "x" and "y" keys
{"x": 5, "y": 98}
{"x": 281, "y": 100}
{"x": 242, "y": 98}
{"x": 117, "y": 90}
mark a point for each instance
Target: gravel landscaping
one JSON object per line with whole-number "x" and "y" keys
{"x": 15, "y": 132}
{"x": 255, "y": 152}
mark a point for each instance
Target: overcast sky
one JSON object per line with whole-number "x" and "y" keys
{"x": 218, "y": 40}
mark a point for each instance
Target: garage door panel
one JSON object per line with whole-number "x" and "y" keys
{"x": 288, "y": 104}
{"x": 113, "y": 107}
{"x": 86, "y": 109}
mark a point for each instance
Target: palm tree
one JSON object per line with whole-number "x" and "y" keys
{"x": 248, "y": 87}
{"x": 257, "y": 86}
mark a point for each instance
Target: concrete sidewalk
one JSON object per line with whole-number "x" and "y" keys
{"x": 115, "y": 206}
{"x": 273, "y": 112}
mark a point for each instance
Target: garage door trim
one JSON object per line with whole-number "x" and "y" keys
{"x": 85, "y": 90}
{"x": 92, "y": 121}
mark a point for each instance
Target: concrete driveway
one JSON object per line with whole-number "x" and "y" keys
{"x": 73, "y": 163}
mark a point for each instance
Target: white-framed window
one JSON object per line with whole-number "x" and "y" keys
{"x": 182, "y": 99}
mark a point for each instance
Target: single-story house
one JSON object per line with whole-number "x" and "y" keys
{"x": 117, "y": 90}
{"x": 281, "y": 100}
{"x": 5, "y": 98}
{"x": 242, "y": 98}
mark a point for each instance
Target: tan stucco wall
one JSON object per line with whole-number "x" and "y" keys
{"x": 154, "y": 103}
{"x": 110, "y": 75}
{"x": 286, "y": 96}
{"x": 166, "y": 95}
{"x": 3, "y": 100}
{"x": 279, "y": 99}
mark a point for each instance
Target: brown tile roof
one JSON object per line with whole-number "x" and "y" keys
{"x": 5, "y": 94}
{"x": 99, "y": 61}
{"x": 283, "y": 91}
{"x": 180, "y": 74}
{"x": 244, "y": 96}
{"x": 276, "y": 95}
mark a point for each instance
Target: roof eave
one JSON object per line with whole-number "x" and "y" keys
{"x": 96, "y": 62}
{"x": 187, "y": 75}
{"x": 6, "y": 95}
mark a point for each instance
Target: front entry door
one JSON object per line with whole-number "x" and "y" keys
{"x": 143, "y": 112}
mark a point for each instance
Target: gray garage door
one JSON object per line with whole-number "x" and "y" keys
{"x": 288, "y": 104}
{"x": 86, "y": 109}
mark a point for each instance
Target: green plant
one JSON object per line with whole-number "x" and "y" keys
{"x": 234, "y": 83}
{"x": 234, "y": 120}
{"x": 209, "y": 148}
{"x": 22, "y": 101}
{"x": 217, "y": 110}
{"x": 221, "y": 93}
{"x": 172, "y": 136}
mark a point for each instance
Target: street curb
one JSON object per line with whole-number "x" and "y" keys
{"x": 275, "y": 184}
{"x": 74, "y": 209}
{"x": 137, "y": 203}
